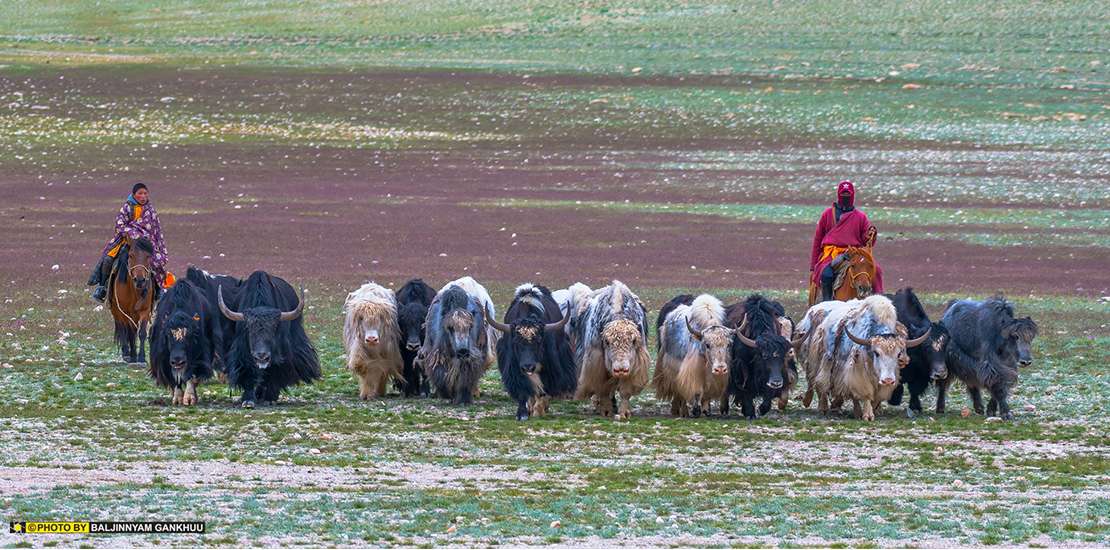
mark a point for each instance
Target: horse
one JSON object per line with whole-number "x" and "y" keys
{"x": 131, "y": 297}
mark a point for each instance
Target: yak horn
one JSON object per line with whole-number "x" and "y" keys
{"x": 493, "y": 322}
{"x": 234, "y": 316}
{"x": 920, "y": 339}
{"x": 740, "y": 334}
{"x": 291, "y": 315}
{"x": 555, "y": 327}
{"x": 695, "y": 332}
{"x": 861, "y": 341}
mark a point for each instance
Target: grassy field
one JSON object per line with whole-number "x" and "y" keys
{"x": 976, "y": 130}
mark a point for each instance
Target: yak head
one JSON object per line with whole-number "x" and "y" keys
{"x": 772, "y": 353}
{"x": 461, "y": 328}
{"x": 716, "y": 344}
{"x": 888, "y": 352}
{"x": 624, "y": 347}
{"x": 526, "y": 338}
{"x": 182, "y": 332}
{"x": 1017, "y": 340}
{"x": 373, "y": 324}
{"x": 933, "y": 349}
{"x": 262, "y": 326}
{"x": 411, "y": 320}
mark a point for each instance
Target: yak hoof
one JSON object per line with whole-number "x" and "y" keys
{"x": 522, "y": 417}
{"x": 910, "y": 413}
{"x": 248, "y": 404}
{"x": 188, "y": 399}
{"x": 695, "y": 412}
{"x": 1008, "y": 416}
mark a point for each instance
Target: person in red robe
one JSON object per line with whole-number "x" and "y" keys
{"x": 841, "y": 225}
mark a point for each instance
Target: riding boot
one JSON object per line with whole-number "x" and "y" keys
{"x": 99, "y": 278}
{"x": 826, "y": 290}
{"x": 828, "y": 277}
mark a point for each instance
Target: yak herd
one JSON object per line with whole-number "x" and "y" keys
{"x": 582, "y": 343}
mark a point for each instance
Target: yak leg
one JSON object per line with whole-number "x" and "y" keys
{"x": 747, "y": 405}
{"x": 695, "y": 411}
{"x": 976, "y": 399}
{"x": 808, "y": 397}
{"x": 868, "y": 410}
{"x": 706, "y": 405}
{"x": 837, "y": 403}
{"x": 676, "y": 406}
{"x": 999, "y": 398}
{"x": 784, "y": 398}
{"x": 857, "y": 410}
{"x": 942, "y": 392}
{"x": 822, "y": 403}
{"x": 190, "y": 397}
{"x": 522, "y": 410}
{"x": 363, "y": 386}
{"x": 383, "y": 381}
{"x": 724, "y": 402}
{"x": 625, "y": 410}
{"x": 765, "y": 406}
{"x": 176, "y": 395}
{"x": 605, "y": 404}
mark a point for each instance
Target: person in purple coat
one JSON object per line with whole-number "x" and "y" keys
{"x": 136, "y": 219}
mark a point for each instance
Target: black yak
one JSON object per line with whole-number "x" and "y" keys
{"x": 459, "y": 343}
{"x": 269, "y": 349}
{"x": 533, "y": 355}
{"x": 413, "y": 300}
{"x": 762, "y": 357}
{"x": 927, "y": 361}
{"x": 611, "y": 349}
{"x": 185, "y": 342}
{"x": 988, "y": 344}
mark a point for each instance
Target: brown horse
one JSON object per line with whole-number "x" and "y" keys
{"x": 855, "y": 275}
{"x": 131, "y": 297}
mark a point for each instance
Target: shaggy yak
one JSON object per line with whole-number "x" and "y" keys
{"x": 611, "y": 337}
{"x": 412, "y": 307}
{"x": 695, "y": 350}
{"x": 988, "y": 345}
{"x": 459, "y": 342}
{"x": 533, "y": 356}
{"x": 926, "y": 362}
{"x": 763, "y": 362}
{"x": 185, "y": 340}
{"x": 853, "y": 350}
{"x": 371, "y": 338}
{"x": 269, "y": 349}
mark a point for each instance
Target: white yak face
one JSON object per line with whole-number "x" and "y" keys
{"x": 621, "y": 339}
{"x": 371, "y": 331}
{"x": 717, "y": 344}
{"x": 886, "y": 352}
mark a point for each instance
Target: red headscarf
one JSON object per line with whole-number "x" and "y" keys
{"x": 846, "y": 195}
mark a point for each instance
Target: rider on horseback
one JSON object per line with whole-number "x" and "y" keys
{"x": 136, "y": 219}
{"x": 840, "y": 227}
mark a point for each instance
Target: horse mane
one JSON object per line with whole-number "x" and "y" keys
{"x": 144, "y": 244}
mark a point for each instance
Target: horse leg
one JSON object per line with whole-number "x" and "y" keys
{"x": 133, "y": 336}
{"x": 143, "y": 325}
